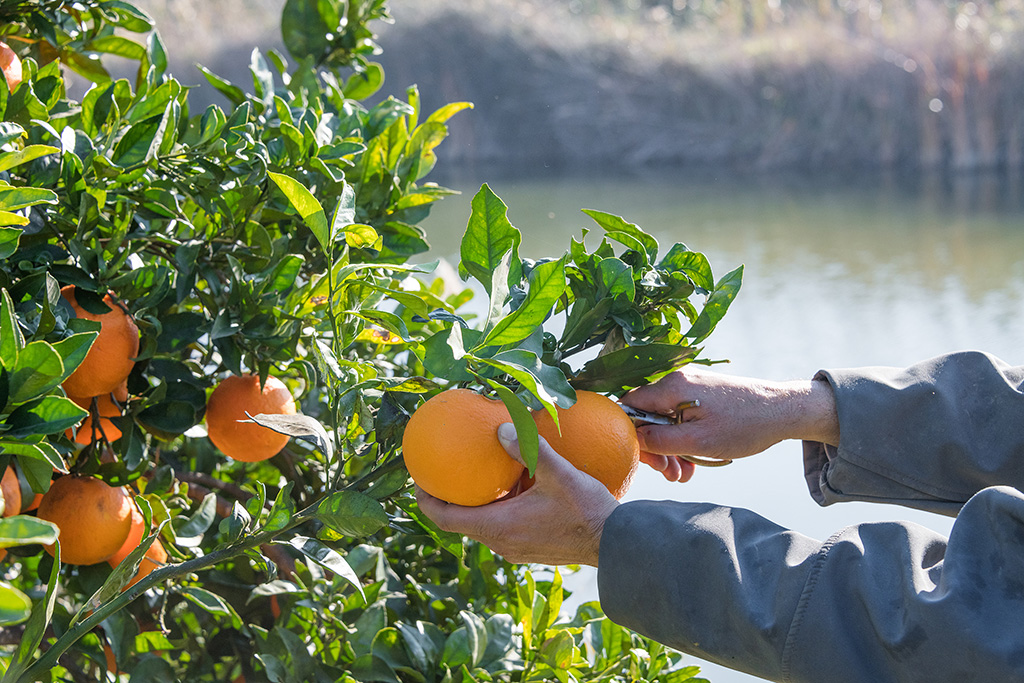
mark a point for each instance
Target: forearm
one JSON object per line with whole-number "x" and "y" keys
{"x": 876, "y": 602}
{"x": 807, "y": 411}
{"x": 929, "y": 436}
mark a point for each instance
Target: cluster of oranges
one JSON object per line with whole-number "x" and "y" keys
{"x": 452, "y": 452}
{"x": 103, "y": 523}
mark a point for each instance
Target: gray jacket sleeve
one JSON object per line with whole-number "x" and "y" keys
{"x": 927, "y": 437}
{"x": 875, "y": 602}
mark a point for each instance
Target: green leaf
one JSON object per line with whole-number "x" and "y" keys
{"x": 546, "y": 285}
{"x": 363, "y": 84}
{"x": 694, "y": 264}
{"x": 717, "y": 305}
{"x": 39, "y": 461}
{"x": 26, "y": 530}
{"x": 73, "y": 350}
{"x": 39, "y": 369}
{"x": 48, "y": 415}
{"x": 226, "y": 88}
{"x": 352, "y": 514}
{"x": 9, "y": 239}
{"x": 616, "y": 278}
{"x": 190, "y": 533}
{"x": 446, "y": 540}
{"x": 631, "y": 367}
{"x": 344, "y": 212}
{"x": 14, "y": 198}
{"x": 526, "y": 428}
{"x": 283, "y": 509}
{"x": 139, "y": 143}
{"x": 308, "y": 207}
{"x": 212, "y": 603}
{"x": 546, "y": 382}
{"x": 626, "y": 233}
{"x": 488, "y": 238}
{"x": 9, "y": 160}
{"x": 361, "y": 236}
{"x": 118, "y": 45}
{"x": 304, "y": 29}
{"x": 35, "y": 628}
{"x": 327, "y": 558}
{"x": 11, "y": 339}
{"x": 15, "y": 606}
{"x": 8, "y": 218}
{"x": 10, "y": 131}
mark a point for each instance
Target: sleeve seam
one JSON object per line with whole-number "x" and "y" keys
{"x": 802, "y": 604}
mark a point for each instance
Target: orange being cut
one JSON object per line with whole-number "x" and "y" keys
{"x": 597, "y": 437}
{"x": 452, "y": 451}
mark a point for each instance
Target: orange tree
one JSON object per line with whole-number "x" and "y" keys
{"x": 278, "y": 236}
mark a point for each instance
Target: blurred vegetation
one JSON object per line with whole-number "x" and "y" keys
{"x": 767, "y": 84}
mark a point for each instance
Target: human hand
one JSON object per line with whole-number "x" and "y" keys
{"x": 736, "y": 417}
{"x": 557, "y": 521}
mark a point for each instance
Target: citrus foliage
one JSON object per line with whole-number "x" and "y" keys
{"x": 277, "y": 235}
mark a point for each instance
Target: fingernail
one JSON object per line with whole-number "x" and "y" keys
{"x": 507, "y": 434}
{"x": 640, "y": 440}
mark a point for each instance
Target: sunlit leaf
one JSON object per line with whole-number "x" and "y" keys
{"x": 488, "y": 238}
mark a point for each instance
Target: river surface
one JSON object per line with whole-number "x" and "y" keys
{"x": 839, "y": 272}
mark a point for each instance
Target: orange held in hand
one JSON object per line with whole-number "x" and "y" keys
{"x": 111, "y": 357}
{"x": 94, "y": 518}
{"x": 597, "y": 438}
{"x": 231, "y": 400}
{"x": 10, "y": 63}
{"x": 452, "y": 451}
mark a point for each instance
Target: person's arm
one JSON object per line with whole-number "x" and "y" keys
{"x": 732, "y": 417}
{"x": 929, "y": 436}
{"x": 875, "y": 603}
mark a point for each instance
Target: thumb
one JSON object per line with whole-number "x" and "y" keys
{"x": 547, "y": 458}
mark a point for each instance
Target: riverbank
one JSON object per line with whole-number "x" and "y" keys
{"x": 591, "y": 82}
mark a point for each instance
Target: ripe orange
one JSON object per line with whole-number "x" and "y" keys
{"x": 94, "y": 518}
{"x": 107, "y": 408}
{"x": 597, "y": 437}
{"x": 452, "y": 451}
{"x": 230, "y": 401}
{"x": 155, "y": 555}
{"x": 10, "y": 63}
{"x": 110, "y": 359}
{"x": 10, "y": 488}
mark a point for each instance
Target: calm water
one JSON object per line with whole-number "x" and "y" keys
{"x": 839, "y": 272}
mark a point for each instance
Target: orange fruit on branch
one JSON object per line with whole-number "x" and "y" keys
{"x": 111, "y": 357}
{"x": 452, "y": 451}
{"x": 597, "y": 438}
{"x": 231, "y": 400}
{"x": 94, "y": 518}
{"x": 10, "y": 63}
{"x": 154, "y": 557}
{"x": 10, "y": 487}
